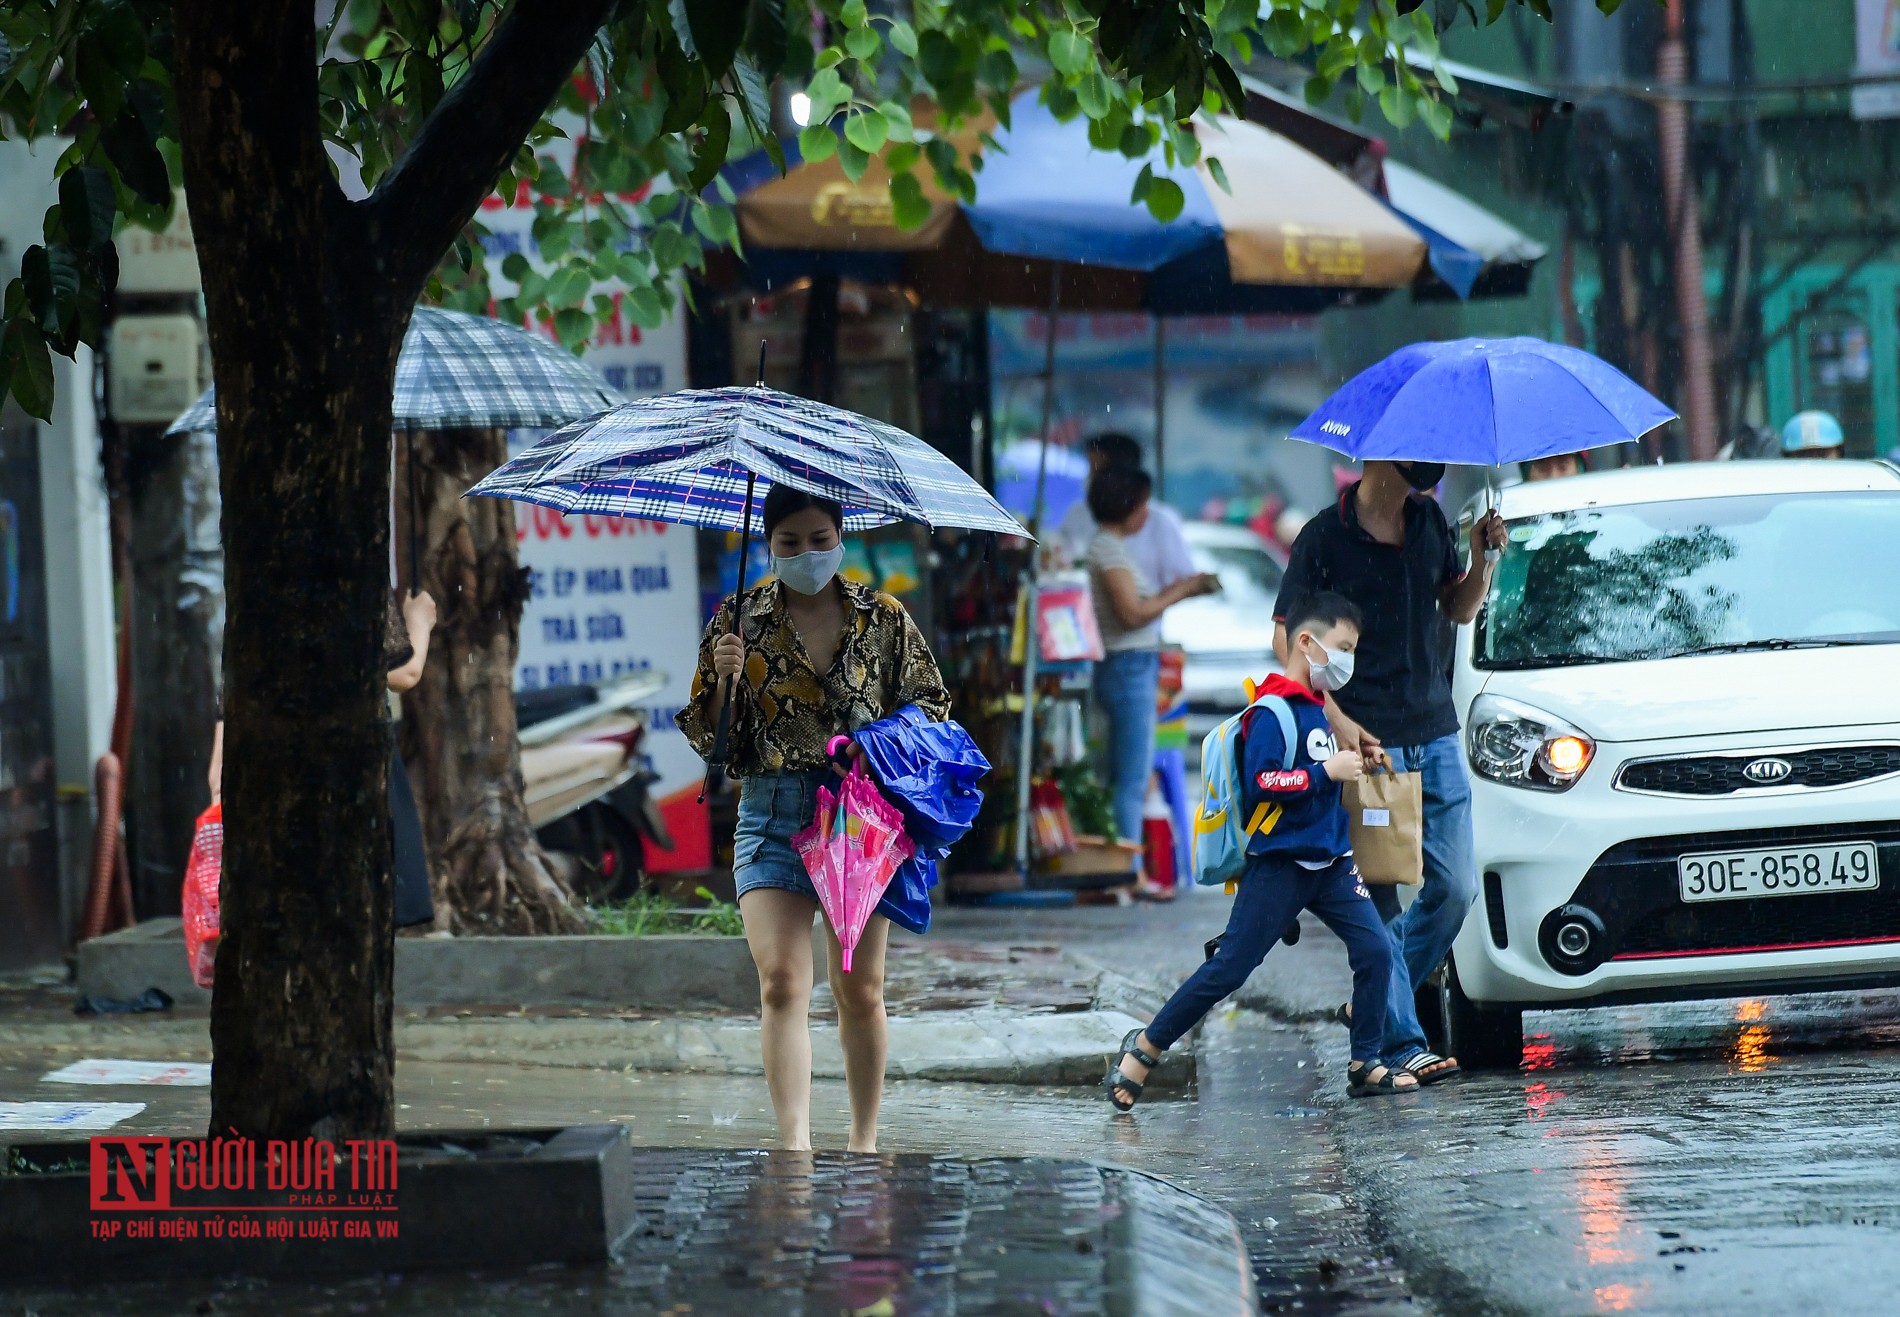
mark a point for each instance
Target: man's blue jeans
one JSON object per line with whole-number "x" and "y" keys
{"x": 1126, "y": 683}
{"x": 1422, "y": 936}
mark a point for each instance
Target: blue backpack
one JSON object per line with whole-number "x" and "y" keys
{"x": 1219, "y": 850}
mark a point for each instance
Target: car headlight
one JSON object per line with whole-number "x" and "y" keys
{"x": 1521, "y": 746}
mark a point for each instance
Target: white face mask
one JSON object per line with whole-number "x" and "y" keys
{"x": 808, "y": 573}
{"x": 1335, "y": 672}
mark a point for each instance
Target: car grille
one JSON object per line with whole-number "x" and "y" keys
{"x": 1721, "y": 775}
{"x": 1633, "y": 888}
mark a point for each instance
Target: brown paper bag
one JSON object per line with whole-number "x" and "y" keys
{"x": 1385, "y": 814}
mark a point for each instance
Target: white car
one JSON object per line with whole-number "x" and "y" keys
{"x": 1682, "y": 721}
{"x": 1228, "y": 637}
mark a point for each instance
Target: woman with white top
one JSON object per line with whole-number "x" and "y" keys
{"x": 1128, "y": 610}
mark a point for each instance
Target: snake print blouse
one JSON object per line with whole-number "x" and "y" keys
{"x": 786, "y": 712}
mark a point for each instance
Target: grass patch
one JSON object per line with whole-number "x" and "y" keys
{"x": 647, "y": 914}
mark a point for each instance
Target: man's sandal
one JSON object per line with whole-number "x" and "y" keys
{"x": 1431, "y": 1068}
{"x": 1378, "y": 1080}
{"x": 1115, "y": 1082}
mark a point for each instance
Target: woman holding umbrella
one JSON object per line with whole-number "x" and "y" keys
{"x": 810, "y": 656}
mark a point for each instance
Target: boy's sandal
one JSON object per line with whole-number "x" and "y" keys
{"x": 1344, "y": 1015}
{"x": 1292, "y": 934}
{"x": 1389, "y": 1081}
{"x": 1431, "y": 1068}
{"x": 1115, "y": 1082}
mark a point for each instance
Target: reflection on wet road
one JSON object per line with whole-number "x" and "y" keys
{"x": 1732, "y": 1156}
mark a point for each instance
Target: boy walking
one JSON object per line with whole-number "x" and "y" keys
{"x": 1298, "y": 857}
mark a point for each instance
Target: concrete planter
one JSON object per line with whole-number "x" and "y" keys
{"x": 466, "y": 1200}
{"x": 669, "y": 972}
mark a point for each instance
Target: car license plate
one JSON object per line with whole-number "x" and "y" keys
{"x": 1797, "y": 871}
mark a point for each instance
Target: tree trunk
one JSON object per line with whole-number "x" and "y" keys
{"x": 489, "y": 874}
{"x": 307, "y": 297}
{"x": 305, "y": 357}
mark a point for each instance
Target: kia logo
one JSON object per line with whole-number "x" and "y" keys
{"x": 1766, "y": 772}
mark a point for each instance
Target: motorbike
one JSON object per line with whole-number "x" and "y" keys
{"x": 587, "y": 785}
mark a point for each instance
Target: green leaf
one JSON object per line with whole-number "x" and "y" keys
{"x": 87, "y": 205}
{"x": 1318, "y": 89}
{"x": 853, "y": 159}
{"x": 1095, "y": 94}
{"x": 828, "y": 58}
{"x": 854, "y": 14}
{"x": 1069, "y": 51}
{"x": 1609, "y": 6}
{"x": 863, "y": 43}
{"x": 1445, "y": 78}
{"x": 827, "y": 92}
{"x": 902, "y": 156}
{"x": 1165, "y": 199}
{"x": 1285, "y": 33}
{"x": 867, "y": 130}
{"x": 515, "y": 267}
{"x": 26, "y": 364}
{"x": 573, "y": 326}
{"x": 1135, "y": 141}
{"x": 716, "y": 224}
{"x": 938, "y": 56}
{"x": 1494, "y": 10}
{"x": 897, "y": 119}
{"x": 909, "y": 209}
{"x": 133, "y": 150}
{"x": 709, "y": 31}
{"x": 904, "y": 39}
{"x": 817, "y": 143}
{"x": 1338, "y": 55}
{"x": 1144, "y": 184}
{"x": 710, "y": 157}
{"x": 568, "y": 286}
{"x": 1396, "y": 105}
{"x": 1436, "y": 115}
{"x": 1219, "y": 172}
{"x": 51, "y": 277}
{"x": 645, "y": 307}
{"x": 1371, "y": 78}
{"x": 1541, "y": 8}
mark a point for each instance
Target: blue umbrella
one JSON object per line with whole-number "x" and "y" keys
{"x": 1064, "y": 481}
{"x": 1483, "y": 402}
{"x": 699, "y": 456}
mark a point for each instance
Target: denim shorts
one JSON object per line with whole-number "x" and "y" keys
{"x": 772, "y": 807}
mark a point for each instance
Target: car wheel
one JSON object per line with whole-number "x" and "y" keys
{"x": 612, "y": 857}
{"x": 1481, "y": 1037}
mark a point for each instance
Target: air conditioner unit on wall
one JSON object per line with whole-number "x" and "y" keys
{"x": 153, "y": 375}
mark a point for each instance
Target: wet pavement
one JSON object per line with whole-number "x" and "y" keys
{"x": 1731, "y": 1156}
{"x": 1734, "y": 1156}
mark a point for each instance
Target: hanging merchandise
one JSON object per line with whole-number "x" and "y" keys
{"x": 202, "y": 872}
{"x": 1064, "y": 739}
{"x": 1050, "y": 828}
{"x": 1065, "y": 621}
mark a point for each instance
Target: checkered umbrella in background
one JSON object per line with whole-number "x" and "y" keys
{"x": 464, "y": 372}
{"x": 701, "y": 456}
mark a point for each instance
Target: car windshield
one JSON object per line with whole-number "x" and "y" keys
{"x": 1657, "y": 580}
{"x": 1248, "y": 576}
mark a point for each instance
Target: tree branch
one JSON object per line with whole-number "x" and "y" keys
{"x": 424, "y": 202}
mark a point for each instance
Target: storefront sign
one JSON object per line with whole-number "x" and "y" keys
{"x": 1877, "y": 49}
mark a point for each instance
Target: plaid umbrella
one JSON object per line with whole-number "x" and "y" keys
{"x": 699, "y": 457}
{"x": 459, "y": 371}
{"x": 703, "y": 456}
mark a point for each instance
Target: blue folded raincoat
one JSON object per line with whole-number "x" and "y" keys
{"x": 929, "y": 770}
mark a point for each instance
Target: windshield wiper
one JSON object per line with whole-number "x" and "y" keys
{"x": 1765, "y": 643}
{"x": 1546, "y": 661}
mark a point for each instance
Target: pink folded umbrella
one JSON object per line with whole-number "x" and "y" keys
{"x": 852, "y": 850}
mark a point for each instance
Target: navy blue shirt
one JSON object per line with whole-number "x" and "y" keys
{"x": 1293, "y": 813}
{"x": 1400, "y": 689}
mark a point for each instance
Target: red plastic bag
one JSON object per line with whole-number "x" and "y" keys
{"x": 201, "y": 894}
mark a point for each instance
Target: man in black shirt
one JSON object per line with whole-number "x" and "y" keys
{"x": 1387, "y": 547}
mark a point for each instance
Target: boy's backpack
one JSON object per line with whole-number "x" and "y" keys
{"x": 1220, "y": 835}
